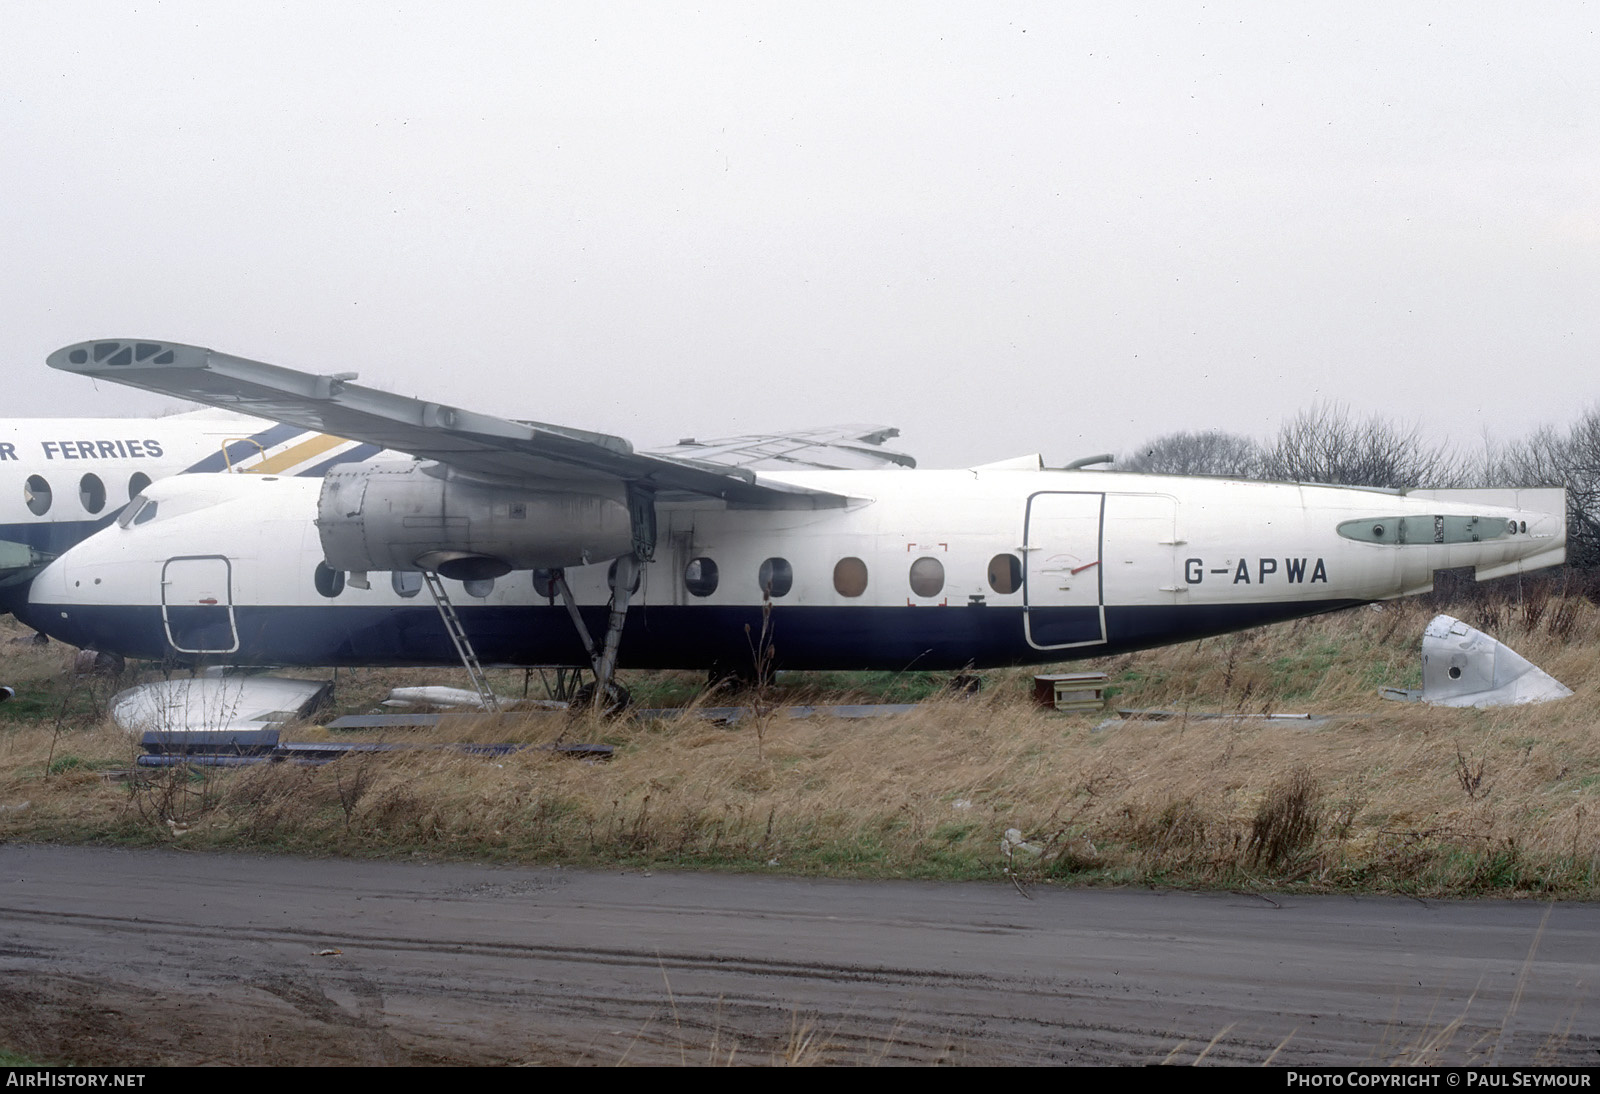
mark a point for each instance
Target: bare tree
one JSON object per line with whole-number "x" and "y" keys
{"x": 1327, "y": 444}
{"x": 1206, "y": 453}
{"x": 1550, "y": 457}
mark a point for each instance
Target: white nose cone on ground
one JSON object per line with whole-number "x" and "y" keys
{"x": 1463, "y": 667}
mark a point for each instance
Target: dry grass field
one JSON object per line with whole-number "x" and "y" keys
{"x": 1384, "y": 797}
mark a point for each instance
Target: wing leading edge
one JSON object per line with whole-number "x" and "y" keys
{"x": 477, "y": 444}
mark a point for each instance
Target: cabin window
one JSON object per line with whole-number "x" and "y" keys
{"x": 479, "y": 587}
{"x": 700, "y": 576}
{"x": 92, "y": 492}
{"x": 329, "y": 582}
{"x": 36, "y": 492}
{"x": 850, "y": 577}
{"x": 544, "y": 583}
{"x": 1005, "y": 573}
{"x": 406, "y": 583}
{"x": 776, "y": 577}
{"x": 927, "y": 577}
{"x": 137, "y": 484}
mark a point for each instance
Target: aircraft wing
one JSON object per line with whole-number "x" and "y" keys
{"x": 478, "y": 444}
{"x": 835, "y": 448}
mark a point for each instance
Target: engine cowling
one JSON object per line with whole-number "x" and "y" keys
{"x": 411, "y": 516}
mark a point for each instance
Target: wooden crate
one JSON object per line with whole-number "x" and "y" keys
{"x": 1071, "y": 690}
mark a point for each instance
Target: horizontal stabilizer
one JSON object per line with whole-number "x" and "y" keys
{"x": 835, "y": 448}
{"x": 216, "y": 705}
{"x": 1463, "y": 667}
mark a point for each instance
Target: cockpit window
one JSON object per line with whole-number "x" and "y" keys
{"x": 138, "y": 511}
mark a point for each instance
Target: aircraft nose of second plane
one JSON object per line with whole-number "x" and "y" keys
{"x": 48, "y": 604}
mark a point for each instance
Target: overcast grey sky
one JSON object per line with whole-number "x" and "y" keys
{"x": 1002, "y": 227}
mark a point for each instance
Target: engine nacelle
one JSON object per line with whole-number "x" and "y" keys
{"x": 411, "y": 516}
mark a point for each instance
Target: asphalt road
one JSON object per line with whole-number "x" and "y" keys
{"x": 117, "y": 956}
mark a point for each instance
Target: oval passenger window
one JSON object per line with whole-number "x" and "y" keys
{"x": 850, "y": 577}
{"x": 927, "y": 577}
{"x": 775, "y": 578}
{"x": 700, "y": 576}
{"x": 92, "y": 493}
{"x": 36, "y": 493}
{"x": 1005, "y": 573}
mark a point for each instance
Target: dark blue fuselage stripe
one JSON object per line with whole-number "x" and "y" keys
{"x": 666, "y": 636}
{"x": 52, "y": 537}
{"x": 243, "y": 449}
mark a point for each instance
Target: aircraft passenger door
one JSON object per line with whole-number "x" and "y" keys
{"x": 197, "y": 604}
{"x": 1139, "y": 551}
{"x": 1062, "y": 579}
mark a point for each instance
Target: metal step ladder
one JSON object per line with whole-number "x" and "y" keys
{"x": 458, "y": 636}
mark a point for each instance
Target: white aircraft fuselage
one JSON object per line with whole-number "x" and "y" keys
{"x": 999, "y": 565}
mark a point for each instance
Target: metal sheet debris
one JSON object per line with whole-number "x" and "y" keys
{"x": 1126, "y": 715}
{"x": 216, "y": 704}
{"x": 733, "y": 715}
{"x": 162, "y": 750}
{"x": 421, "y": 721}
{"x": 435, "y": 696}
{"x": 1464, "y": 667}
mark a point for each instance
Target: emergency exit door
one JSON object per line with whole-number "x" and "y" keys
{"x": 1062, "y": 579}
{"x": 197, "y": 604}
